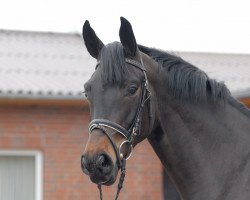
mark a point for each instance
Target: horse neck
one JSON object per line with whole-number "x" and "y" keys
{"x": 193, "y": 141}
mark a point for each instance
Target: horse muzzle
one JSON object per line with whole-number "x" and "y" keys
{"x": 99, "y": 168}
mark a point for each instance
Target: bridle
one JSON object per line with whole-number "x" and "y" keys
{"x": 135, "y": 128}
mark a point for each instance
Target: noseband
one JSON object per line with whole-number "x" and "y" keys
{"x": 129, "y": 135}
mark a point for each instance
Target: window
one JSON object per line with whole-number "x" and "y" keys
{"x": 20, "y": 175}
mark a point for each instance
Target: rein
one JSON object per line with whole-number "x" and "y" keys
{"x": 104, "y": 125}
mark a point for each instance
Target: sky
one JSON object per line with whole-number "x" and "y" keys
{"x": 221, "y": 26}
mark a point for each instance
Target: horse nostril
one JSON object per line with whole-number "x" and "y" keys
{"x": 100, "y": 160}
{"x": 84, "y": 165}
{"x": 104, "y": 163}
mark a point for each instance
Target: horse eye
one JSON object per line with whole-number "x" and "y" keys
{"x": 132, "y": 90}
{"x": 85, "y": 94}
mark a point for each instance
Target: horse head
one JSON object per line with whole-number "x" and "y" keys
{"x": 118, "y": 93}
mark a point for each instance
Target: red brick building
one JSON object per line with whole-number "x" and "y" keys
{"x": 44, "y": 120}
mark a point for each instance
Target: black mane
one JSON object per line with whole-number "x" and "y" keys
{"x": 185, "y": 80}
{"x": 188, "y": 82}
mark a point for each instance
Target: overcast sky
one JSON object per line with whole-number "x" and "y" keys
{"x": 182, "y": 25}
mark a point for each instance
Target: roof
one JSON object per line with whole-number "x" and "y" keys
{"x": 55, "y": 66}
{"x": 43, "y": 65}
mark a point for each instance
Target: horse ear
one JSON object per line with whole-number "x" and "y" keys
{"x": 127, "y": 38}
{"x": 92, "y": 42}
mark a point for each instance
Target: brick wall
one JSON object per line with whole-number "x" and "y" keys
{"x": 60, "y": 133}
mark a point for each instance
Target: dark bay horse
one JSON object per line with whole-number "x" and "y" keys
{"x": 199, "y": 131}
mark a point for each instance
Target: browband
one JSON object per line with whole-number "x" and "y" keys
{"x": 129, "y": 61}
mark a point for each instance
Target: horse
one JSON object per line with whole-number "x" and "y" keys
{"x": 198, "y": 130}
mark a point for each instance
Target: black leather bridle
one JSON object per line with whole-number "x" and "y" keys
{"x": 129, "y": 135}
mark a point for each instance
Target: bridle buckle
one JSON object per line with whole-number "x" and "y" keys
{"x": 134, "y": 132}
{"x": 130, "y": 149}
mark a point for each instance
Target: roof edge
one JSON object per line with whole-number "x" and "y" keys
{"x": 73, "y": 33}
{"x": 241, "y": 94}
{"x": 42, "y": 96}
